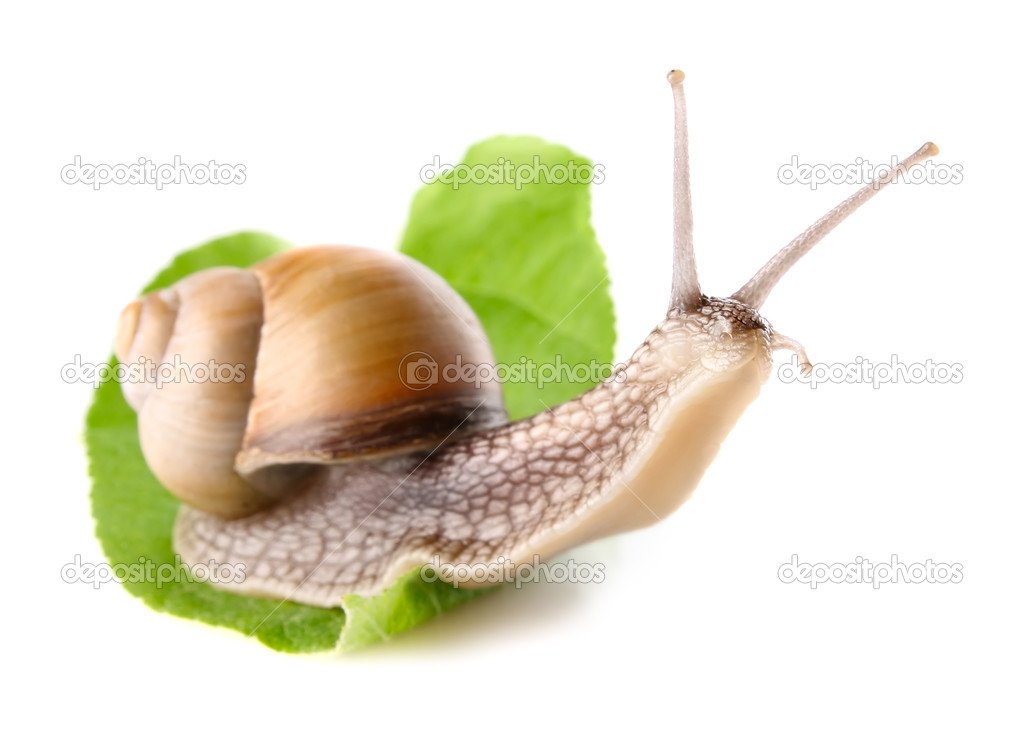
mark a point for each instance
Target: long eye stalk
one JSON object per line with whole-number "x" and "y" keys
{"x": 685, "y": 288}
{"x": 756, "y": 291}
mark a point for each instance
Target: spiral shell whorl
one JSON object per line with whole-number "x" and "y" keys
{"x": 315, "y": 338}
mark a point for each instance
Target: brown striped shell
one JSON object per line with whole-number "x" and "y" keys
{"x": 311, "y": 357}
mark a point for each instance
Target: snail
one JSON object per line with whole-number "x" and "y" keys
{"x": 325, "y": 472}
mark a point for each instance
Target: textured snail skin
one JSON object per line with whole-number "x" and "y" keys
{"x": 616, "y": 458}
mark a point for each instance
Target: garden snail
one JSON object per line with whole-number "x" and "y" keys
{"x": 325, "y": 475}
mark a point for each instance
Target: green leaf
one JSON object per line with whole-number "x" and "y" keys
{"x": 407, "y": 603}
{"x": 526, "y": 260}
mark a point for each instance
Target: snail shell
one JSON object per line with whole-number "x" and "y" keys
{"x": 316, "y": 339}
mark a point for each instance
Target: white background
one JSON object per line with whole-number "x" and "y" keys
{"x": 692, "y": 637}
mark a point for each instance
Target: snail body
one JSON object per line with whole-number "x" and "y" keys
{"x": 616, "y": 458}
{"x": 325, "y": 473}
